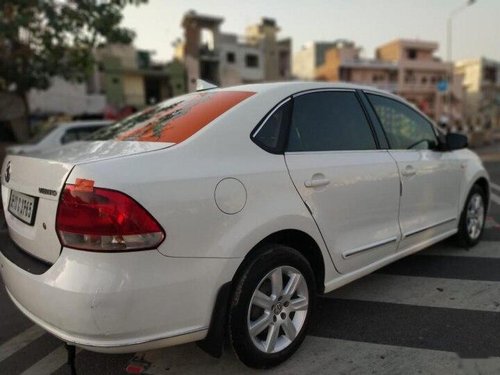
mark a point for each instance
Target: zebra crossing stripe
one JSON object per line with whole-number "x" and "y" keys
{"x": 423, "y": 291}
{"x": 20, "y": 341}
{"x": 49, "y": 363}
{"x": 495, "y": 198}
{"x": 484, "y": 249}
{"x": 495, "y": 186}
{"x": 319, "y": 355}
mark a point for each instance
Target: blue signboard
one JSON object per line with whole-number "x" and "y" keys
{"x": 442, "y": 85}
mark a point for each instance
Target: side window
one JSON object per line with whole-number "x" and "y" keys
{"x": 71, "y": 135}
{"x": 269, "y": 134}
{"x": 329, "y": 121}
{"x": 77, "y": 134}
{"x": 85, "y": 132}
{"x": 405, "y": 128}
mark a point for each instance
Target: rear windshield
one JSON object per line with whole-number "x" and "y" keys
{"x": 174, "y": 120}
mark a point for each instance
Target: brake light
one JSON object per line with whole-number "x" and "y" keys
{"x": 105, "y": 220}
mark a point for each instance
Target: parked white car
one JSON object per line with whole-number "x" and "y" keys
{"x": 58, "y": 135}
{"x": 223, "y": 213}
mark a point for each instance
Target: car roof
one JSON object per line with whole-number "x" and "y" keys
{"x": 291, "y": 87}
{"x": 304, "y": 85}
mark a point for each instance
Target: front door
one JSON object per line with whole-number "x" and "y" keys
{"x": 350, "y": 186}
{"x": 430, "y": 178}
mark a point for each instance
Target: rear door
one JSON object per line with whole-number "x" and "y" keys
{"x": 430, "y": 177}
{"x": 350, "y": 186}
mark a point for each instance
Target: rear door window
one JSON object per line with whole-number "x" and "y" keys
{"x": 329, "y": 121}
{"x": 174, "y": 120}
{"x": 270, "y": 135}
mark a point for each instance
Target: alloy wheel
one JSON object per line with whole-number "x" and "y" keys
{"x": 278, "y": 309}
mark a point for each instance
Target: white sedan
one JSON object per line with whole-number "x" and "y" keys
{"x": 223, "y": 213}
{"x": 58, "y": 135}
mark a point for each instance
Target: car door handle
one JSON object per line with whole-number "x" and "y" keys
{"x": 409, "y": 171}
{"x": 316, "y": 182}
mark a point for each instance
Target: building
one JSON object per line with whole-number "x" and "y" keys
{"x": 229, "y": 59}
{"x": 481, "y": 80}
{"x": 310, "y": 57}
{"x": 129, "y": 77}
{"x": 405, "y": 67}
{"x": 66, "y": 97}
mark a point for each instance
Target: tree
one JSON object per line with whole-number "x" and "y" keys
{"x": 40, "y": 39}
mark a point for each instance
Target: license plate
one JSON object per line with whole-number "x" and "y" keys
{"x": 23, "y": 207}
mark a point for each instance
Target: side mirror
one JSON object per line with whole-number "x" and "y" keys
{"x": 455, "y": 141}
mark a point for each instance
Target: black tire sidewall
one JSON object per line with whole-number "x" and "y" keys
{"x": 269, "y": 258}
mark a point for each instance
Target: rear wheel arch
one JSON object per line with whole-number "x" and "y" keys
{"x": 298, "y": 240}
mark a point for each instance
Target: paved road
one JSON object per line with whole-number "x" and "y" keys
{"x": 437, "y": 312}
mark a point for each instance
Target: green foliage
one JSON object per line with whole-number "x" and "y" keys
{"x": 43, "y": 38}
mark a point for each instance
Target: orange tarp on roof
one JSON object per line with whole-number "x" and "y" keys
{"x": 179, "y": 121}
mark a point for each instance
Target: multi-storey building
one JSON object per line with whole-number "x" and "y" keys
{"x": 406, "y": 67}
{"x": 309, "y": 58}
{"x": 481, "y": 79}
{"x": 228, "y": 59}
{"x": 129, "y": 77}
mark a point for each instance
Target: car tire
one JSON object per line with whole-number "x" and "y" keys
{"x": 271, "y": 306}
{"x": 472, "y": 219}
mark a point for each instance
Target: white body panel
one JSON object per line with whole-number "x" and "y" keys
{"x": 116, "y": 301}
{"x": 357, "y": 208}
{"x": 119, "y": 305}
{"x": 430, "y": 191}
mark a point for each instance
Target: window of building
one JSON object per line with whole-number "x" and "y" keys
{"x": 412, "y": 53}
{"x": 251, "y": 60}
{"x": 329, "y": 121}
{"x": 490, "y": 74}
{"x": 424, "y": 80}
{"x": 231, "y": 57}
{"x": 410, "y": 76}
{"x": 405, "y": 128}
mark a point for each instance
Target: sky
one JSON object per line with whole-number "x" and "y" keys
{"x": 369, "y": 23}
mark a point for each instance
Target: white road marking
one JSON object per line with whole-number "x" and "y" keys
{"x": 495, "y": 198}
{"x": 20, "y": 341}
{"x": 423, "y": 291}
{"x": 319, "y": 355}
{"x": 495, "y": 186}
{"x": 50, "y": 363}
{"x": 484, "y": 249}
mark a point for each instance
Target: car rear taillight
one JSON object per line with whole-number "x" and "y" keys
{"x": 100, "y": 219}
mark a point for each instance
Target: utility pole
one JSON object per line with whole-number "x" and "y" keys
{"x": 449, "y": 57}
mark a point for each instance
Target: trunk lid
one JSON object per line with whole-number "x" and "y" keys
{"x": 31, "y": 185}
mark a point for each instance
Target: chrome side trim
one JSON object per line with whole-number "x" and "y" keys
{"x": 348, "y": 253}
{"x": 417, "y": 231}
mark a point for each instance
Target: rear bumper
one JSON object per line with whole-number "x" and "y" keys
{"x": 123, "y": 302}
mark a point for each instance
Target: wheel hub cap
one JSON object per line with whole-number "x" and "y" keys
{"x": 278, "y": 309}
{"x": 475, "y": 216}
